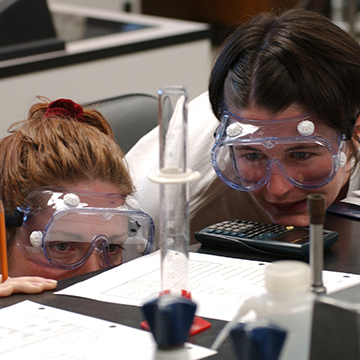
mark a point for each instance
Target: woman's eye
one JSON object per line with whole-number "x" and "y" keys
{"x": 114, "y": 248}
{"x": 61, "y": 246}
{"x": 253, "y": 156}
{"x": 300, "y": 155}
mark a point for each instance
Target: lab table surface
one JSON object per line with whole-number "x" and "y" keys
{"x": 343, "y": 256}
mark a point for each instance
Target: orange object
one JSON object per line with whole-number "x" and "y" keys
{"x": 3, "y": 251}
{"x": 199, "y": 324}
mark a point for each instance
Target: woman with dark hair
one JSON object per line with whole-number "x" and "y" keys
{"x": 285, "y": 91}
{"x": 292, "y": 83}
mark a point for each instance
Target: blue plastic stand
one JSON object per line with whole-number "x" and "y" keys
{"x": 258, "y": 340}
{"x": 170, "y": 318}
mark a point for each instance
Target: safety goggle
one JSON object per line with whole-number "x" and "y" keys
{"x": 303, "y": 149}
{"x": 62, "y": 228}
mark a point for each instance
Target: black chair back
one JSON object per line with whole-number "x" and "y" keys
{"x": 131, "y": 116}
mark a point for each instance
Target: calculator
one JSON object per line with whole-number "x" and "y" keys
{"x": 272, "y": 238}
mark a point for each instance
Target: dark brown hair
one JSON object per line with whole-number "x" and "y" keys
{"x": 299, "y": 57}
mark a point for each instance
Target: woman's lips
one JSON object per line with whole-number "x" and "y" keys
{"x": 289, "y": 207}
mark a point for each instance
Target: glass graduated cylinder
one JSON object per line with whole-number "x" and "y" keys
{"x": 173, "y": 131}
{"x": 174, "y": 237}
{"x": 174, "y": 218}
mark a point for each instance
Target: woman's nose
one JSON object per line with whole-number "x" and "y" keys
{"x": 277, "y": 184}
{"x": 94, "y": 262}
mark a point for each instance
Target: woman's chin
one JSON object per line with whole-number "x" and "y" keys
{"x": 291, "y": 220}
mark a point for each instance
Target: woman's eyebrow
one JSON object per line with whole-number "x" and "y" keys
{"x": 67, "y": 236}
{"x": 123, "y": 236}
{"x": 245, "y": 147}
{"x": 303, "y": 146}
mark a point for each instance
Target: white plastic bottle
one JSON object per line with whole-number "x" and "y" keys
{"x": 288, "y": 303}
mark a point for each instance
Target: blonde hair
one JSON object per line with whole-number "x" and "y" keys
{"x": 60, "y": 151}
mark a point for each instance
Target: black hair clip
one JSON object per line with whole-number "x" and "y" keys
{"x": 14, "y": 220}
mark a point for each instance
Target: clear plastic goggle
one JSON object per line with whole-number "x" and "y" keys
{"x": 303, "y": 149}
{"x": 62, "y": 228}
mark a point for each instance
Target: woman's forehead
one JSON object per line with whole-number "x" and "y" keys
{"x": 257, "y": 113}
{"x": 296, "y": 113}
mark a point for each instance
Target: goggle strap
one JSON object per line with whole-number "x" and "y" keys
{"x": 14, "y": 220}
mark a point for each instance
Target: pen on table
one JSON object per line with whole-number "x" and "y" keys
{"x": 3, "y": 251}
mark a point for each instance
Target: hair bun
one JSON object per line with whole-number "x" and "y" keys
{"x": 65, "y": 108}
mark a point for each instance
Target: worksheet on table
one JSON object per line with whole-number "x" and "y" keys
{"x": 218, "y": 285}
{"x": 34, "y": 331}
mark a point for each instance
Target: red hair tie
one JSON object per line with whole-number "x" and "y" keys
{"x": 65, "y": 108}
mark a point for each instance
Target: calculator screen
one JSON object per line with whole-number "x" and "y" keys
{"x": 295, "y": 236}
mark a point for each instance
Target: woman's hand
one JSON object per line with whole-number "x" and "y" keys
{"x": 26, "y": 284}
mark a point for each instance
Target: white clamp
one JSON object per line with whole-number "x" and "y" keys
{"x": 36, "y": 238}
{"x": 306, "y": 127}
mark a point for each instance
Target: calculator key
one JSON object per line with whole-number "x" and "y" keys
{"x": 250, "y": 236}
{"x": 241, "y": 235}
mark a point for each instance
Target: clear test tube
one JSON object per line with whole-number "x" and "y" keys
{"x": 174, "y": 177}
